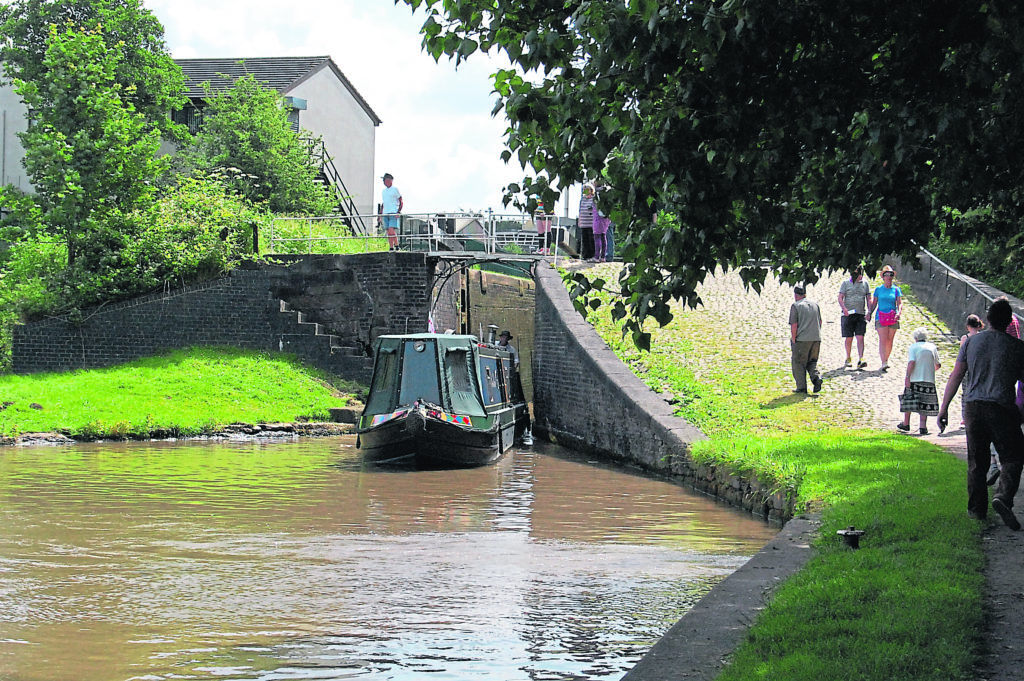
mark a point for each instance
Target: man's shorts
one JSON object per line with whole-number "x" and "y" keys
{"x": 390, "y": 222}
{"x": 853, "y": 325}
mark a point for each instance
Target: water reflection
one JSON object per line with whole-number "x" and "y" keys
{"x": 297, "y": 561}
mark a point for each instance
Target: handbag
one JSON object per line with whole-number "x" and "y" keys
{"x": 887, "y": 318}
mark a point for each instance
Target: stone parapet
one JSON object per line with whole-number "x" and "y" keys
{"x": 587, "y": 399}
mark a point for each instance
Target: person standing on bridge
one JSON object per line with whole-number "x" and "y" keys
{"x": 391, "y": 209}
{"x": 601, "y": 226}
{"x": 545, "y": 239}
{"x": 585, "y": 220}
{"x": 805, "y": 340}
{"x": 989, "y": 365}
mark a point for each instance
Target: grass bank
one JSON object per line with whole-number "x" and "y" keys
{"x": 181, "y": 394}
{"x": 906, "y": 606}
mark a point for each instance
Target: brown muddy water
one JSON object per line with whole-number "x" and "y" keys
{"x": 296, "y": 560}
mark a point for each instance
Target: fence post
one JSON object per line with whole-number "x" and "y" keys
{"x": 493, "y": 235}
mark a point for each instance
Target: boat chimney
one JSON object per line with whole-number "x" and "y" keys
{"x": 492, "y": 333}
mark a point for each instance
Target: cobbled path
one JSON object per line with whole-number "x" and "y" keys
{"x": 869, "y": 396}
{"x": 758, "y": 329}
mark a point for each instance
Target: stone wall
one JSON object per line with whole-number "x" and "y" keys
{"x": 949, "y": 294}
{"x": 587, "y": 399}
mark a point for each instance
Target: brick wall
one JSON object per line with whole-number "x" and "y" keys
{"x": 509, "y": 303}
{"x": 345, "y": 301}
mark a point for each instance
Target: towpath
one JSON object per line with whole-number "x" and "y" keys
{"x": 869, "y": 398}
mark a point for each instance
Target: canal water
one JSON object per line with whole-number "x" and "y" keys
{"x": 296, "y": 560}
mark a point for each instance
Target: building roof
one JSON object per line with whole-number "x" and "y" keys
{"x": 280, "y": 73}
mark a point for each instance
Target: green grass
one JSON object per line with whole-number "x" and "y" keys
{"x": 908, "y": 604}
{"x": 319, "y": 236}
{"x": 184, "y": 393}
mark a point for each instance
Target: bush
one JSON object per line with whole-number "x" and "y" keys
{"x": 25, "y": 274}
{"x": 198, "y": 230}
{"x": 246, "y": 129}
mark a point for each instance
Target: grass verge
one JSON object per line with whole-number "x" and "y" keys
{"x": 181, "y": 394}
{"x": 906, "y": 606}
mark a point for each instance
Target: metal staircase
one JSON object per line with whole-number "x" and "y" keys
{"x": 332, "y": 178}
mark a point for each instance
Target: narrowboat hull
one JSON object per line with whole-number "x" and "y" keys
{"x": 446, "y": 400}
{"x": 424, "y": 434}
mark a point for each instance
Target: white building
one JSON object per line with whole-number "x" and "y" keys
{"x": 12, "y": 121}
{"x": 322, "y": 101}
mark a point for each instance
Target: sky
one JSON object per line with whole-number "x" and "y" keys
{"x": 437, "y": 137}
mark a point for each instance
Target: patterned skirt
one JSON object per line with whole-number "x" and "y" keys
{"x": 920, "y": 398}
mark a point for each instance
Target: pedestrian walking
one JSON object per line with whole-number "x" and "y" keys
{"x": 888, "y": 300}
{"x": 805, "y": 340}
{"x": 854, "y": 294}
{"x": 919, "y": 393}
{"x": 989, "y": 365}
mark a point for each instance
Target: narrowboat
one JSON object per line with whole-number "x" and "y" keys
{"x": 445, "y": 400}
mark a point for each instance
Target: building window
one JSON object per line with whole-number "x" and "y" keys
{"x": 190, "y": 116}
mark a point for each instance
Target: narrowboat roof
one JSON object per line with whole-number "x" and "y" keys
{"x": 423, "y": 336}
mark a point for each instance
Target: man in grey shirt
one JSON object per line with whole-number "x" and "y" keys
{"x": 805, "y": 340}
{"x": 993, "y": 362}
{"x": 854, "y": 294}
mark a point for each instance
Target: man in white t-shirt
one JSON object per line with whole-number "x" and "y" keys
{"x": 391, "y": 208}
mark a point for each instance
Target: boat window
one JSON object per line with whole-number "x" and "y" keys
{"x": 460, "y": 374}
{"x": 419, "y": 373}
{"x": 506, "y": 379}
{"x": 489, "y": 380}
{"x": 385, "y": 383}
{"x": 457, "y": 368}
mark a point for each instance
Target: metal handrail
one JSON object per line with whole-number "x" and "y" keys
{"x": 318, "y": 150}
{"x": 430, "y": 230}
{"x": 949, "y": 269}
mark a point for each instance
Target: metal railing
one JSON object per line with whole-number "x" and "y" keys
{"x": 318, "y": 151}
{"x": 954, "y": 293}
{"x": 487, "y": 233}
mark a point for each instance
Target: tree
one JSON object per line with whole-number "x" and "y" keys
{"x": 246, "y": 130}
{"x": 150, "y": 80}
{"x": 91, "y": 158}
{"x": 807, "y": 135}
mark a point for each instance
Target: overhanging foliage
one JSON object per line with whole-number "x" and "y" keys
{"x": 809, "y": 136}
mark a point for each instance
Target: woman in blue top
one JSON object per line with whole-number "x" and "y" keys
{"x": 888, "y": 300}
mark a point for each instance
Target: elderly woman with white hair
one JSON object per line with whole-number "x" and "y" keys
{"x": 919, "y": 395}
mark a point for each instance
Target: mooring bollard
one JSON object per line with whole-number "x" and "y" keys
{"x": 851, "y": 537}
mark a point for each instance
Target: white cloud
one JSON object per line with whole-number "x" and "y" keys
{"x": 437, "y": 137}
